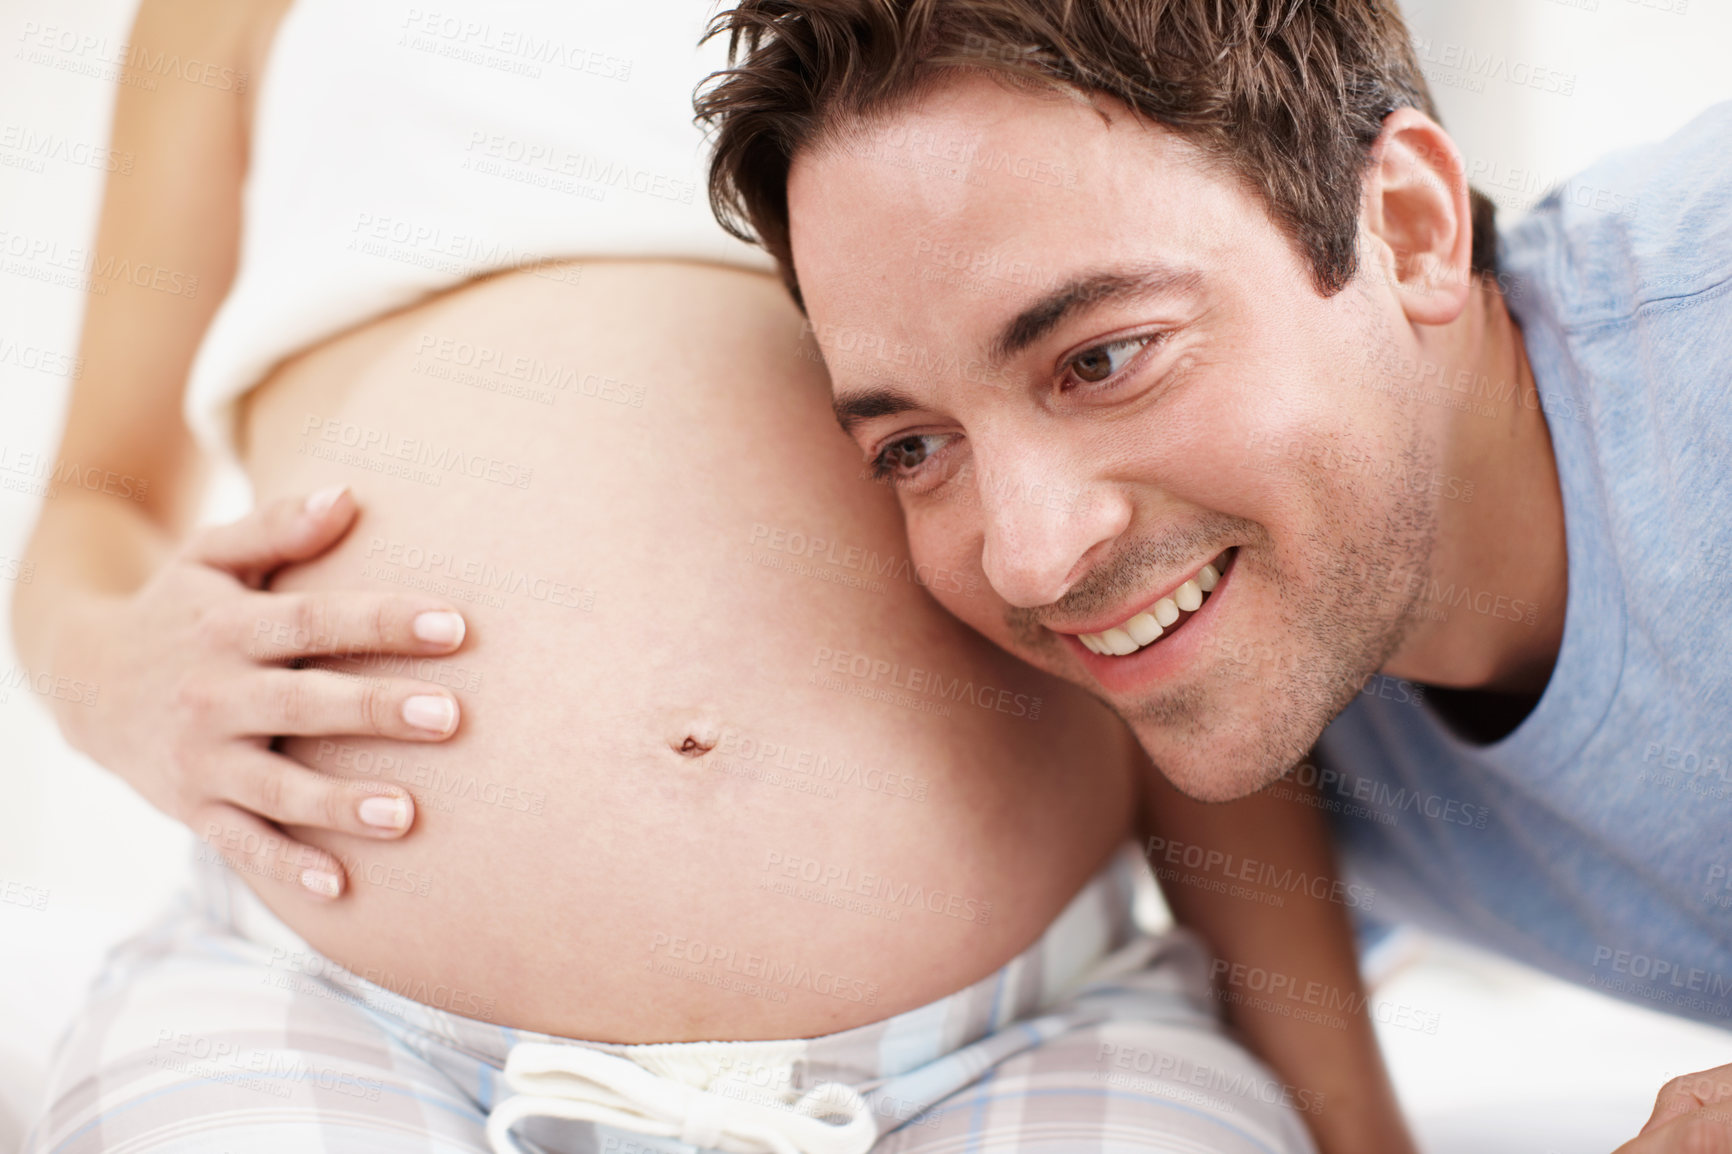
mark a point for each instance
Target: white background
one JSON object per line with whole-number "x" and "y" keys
{"x": 1517, "y": 1062}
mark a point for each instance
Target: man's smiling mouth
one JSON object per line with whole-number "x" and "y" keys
{"x": 1163, "y": 618}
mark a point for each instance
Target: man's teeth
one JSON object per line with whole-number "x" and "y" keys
{"x": 1147, "y": 627}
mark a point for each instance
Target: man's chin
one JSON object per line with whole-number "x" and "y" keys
{"x": 1216, "y": 767}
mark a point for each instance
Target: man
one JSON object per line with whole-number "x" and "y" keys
{"x": 1177, "y": 325}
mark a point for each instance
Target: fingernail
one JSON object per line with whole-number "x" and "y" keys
{"x": 321, "y": 882}
{"x": 434, "y": 714}
{"x": 440, "y": 628}
{"x": 320, "y": 503}
{"x": 385, "y": 812}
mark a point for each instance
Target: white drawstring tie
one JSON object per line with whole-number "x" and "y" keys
{"x": 584, "y": 1085}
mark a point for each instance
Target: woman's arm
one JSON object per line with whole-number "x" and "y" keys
{"x": 177, "y": 210}
{"x": 184, "y": 656}
{"x": 1282, "y": 913}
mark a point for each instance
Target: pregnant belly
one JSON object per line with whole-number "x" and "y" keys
{"x": 725, "y": 770}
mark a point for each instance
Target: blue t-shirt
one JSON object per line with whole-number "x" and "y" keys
{"x": 1595, "y": 840}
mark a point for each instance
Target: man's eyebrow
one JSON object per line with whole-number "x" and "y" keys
{"x": 856, "y": 408}
{"x": 1028, "y": 326}
{"x": 1044, "y": 315}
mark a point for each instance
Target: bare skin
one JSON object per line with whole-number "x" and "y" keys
{"x": 638, "y": 758}
{"x": 162, "y": 618}
{"x": 1161, "y": 359}
{"x": 603, "y": 794}
{"x": 1690, "y": 1117}
{"x": 1227, "y": 406}
{"x": 589, "y": 789}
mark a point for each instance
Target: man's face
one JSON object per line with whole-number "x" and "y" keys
{"x": 1091, "y": 365}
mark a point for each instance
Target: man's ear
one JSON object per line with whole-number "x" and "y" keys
{"x": 1417, "y": 219}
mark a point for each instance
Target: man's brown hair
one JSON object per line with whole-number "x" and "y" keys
{"x": 1289, "y": 95}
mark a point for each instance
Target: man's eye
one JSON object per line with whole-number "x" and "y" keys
{"x": 905, "y": 454}
{"x": 1102, "y": 361}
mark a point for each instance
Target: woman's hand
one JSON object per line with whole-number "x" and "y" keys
{"x": 197, "y": 673}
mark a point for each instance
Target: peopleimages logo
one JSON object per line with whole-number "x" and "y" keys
{"x": 1162, "y": 851}
{"x": 1272, "y": 991}
{"x": 1675, "y": 985}
{"x": 856, "y": 558}
{"x": 1662, "y": 971}
{"x": 781, "y": 763}
{"x": 438, "y": 461}
{"x": 103, "y": 57}
{"x": 1170, "y": 1072}
{"x": 847, "y": 879}
{"x": 778, "y": 973}
{"x": 1387, "y": 799}
{"x": 928, "y": 682}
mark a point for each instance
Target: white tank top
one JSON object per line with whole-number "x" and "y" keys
{"x": 401, "y": 150}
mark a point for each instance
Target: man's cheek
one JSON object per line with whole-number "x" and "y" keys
{"x": 941, "y": 547}
{"x": 982, "y": 611}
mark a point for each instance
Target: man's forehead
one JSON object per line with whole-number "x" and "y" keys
{"x": 960, "y": 228}
{"x": 979, "y": 186}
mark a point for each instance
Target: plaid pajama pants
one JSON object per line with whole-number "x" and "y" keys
{"x": 221, "y": 1032}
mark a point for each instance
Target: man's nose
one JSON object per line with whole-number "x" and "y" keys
{"x": 1039, "y": 525}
